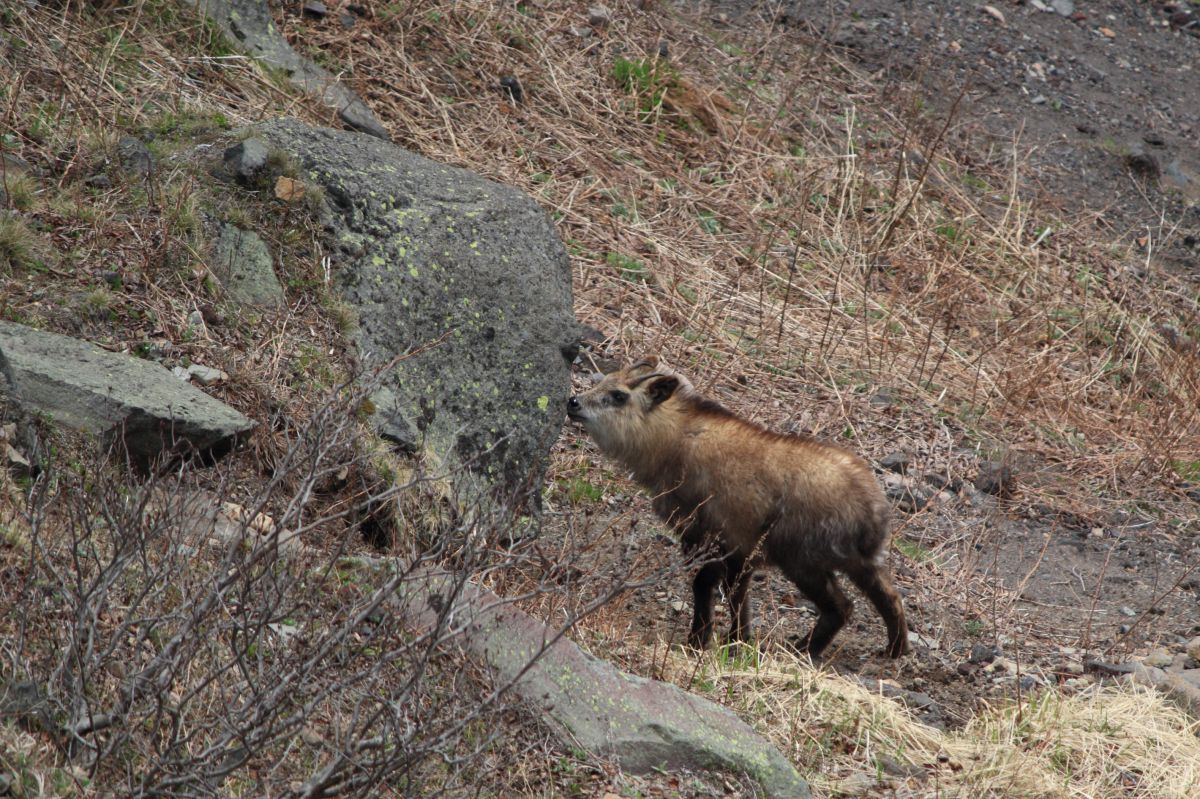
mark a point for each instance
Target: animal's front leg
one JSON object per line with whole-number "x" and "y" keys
{"x": 704, "y": 588}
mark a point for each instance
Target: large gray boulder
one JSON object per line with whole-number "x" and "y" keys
{"x": 248, "y": 25}
{"x": 470, "y": 280}
{"x": 112, "y": 396}
{"x": 644, "y": 724}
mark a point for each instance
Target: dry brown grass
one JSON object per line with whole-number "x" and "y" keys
{"x": 768, "y": 229}
{"x": 778, "y": 227}
{"x": 1119, "y": 741}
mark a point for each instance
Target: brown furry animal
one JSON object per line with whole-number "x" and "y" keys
{"x": 759, "y": 497}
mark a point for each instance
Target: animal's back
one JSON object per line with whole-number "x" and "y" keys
{"x": 812, "y": 500}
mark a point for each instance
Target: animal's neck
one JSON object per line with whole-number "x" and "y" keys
{"x": 655, "y": 461}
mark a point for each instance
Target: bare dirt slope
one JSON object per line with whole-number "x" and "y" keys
{"x": 1102, "y": 94}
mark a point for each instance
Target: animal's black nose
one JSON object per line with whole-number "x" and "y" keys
{"x": 573, "y": 404}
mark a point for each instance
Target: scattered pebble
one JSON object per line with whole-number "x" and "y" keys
{"x": 1063, "y": 8}
{"x": 982, "y": 653}
{"x": 315, "y": 9}
{"x": 206, "y": 375}
{"x": 995, "y": 478}
{"x": 599, "y": 16}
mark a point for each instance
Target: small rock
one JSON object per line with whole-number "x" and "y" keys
{"x": 15, "y": 165}
{"x": 315, "y": 9}
{"x": 288, "y": 189}
{"x": 1154, "y": 139}
{"x": 512, "y": 86}
{"x": 883, "y": 398}
{"x": 247, "y": 159}
{"x": 246, "y": 268}
{"x": 196, "y": 320}
{"x": 895, "y": 462}
{"x": 1107, "y": 33}
{"x": 1128, "y": 611}
{"x": 995, "y": 478}
{"x": 1039, "y": 100}
{"x": 599, "y": 17}
{"x": 897, "y": 769}
{"x": 916, "y": 639}
{"x": 1069, "y": 667}
{"x": 348, "y": 20}
{"x": 942, "y": 481}
{"x": 1159, "y": 659}
{"x": 100, "y": 181}
{"x": 1193, "y": 648}
{"x": 1064, "y": 8}
{"x": 994, "y": 13}
{"x": 181, "y": 373}
{"x": 1176, "y": 176}
{"x": 908, "y": 498}
{"x": 982, "y": 653}
{"x": 134, "y": 156}
{"x": 1002, "y": 664}
{"x": 1142, "y": 163}
{"x": 1109, "y": 669}
{"x": 284, "y": 631}
{"x": 206, "y": 375}
{"x": 679, "y": 606}
{"x": 15, "y": 460}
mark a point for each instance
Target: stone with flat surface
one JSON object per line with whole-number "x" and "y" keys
{"x": 113, "y": 396}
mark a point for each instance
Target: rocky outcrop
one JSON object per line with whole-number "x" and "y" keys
{"x": 248, "y": 25}
{"x": 115, "y": 397}
{"x": 644, "y": 724}
{"x": 467, "y": 279}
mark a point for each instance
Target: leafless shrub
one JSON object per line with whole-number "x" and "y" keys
{"x": 191, "y": 646}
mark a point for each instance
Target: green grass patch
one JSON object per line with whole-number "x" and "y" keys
{"x": 645, "y": 78}
{"x": 628, "y": 268}
{"x": 912, "y": 550}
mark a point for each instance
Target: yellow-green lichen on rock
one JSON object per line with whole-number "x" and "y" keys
{"x": 488, "y": 337}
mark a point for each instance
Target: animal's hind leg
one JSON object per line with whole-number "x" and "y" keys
{"x": 833, "y": 606}
{"x": 737, "y": 590}
{"x": 704, "y": 586}
{"x": 877, "y": 585}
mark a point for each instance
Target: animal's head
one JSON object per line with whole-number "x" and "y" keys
{"x": 620, "y": 411}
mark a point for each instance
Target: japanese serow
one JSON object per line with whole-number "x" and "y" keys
{"x": 741, "y": 496}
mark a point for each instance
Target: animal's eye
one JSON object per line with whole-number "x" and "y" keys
{"x": 618, "y": 397}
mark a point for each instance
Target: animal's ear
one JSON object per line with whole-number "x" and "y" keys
{"x": 662, "y": 388}
{"x": 649, "y": 363}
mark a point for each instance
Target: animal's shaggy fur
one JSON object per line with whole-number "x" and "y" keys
{"x": 809, "y": 508}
